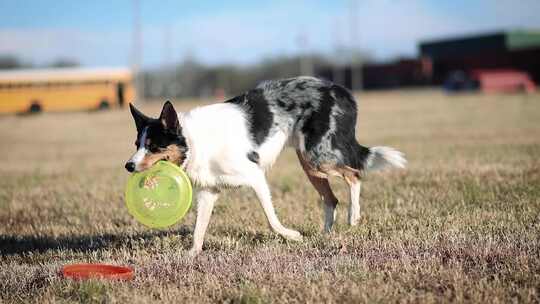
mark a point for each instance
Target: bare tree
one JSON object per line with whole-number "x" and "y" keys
{"x": 10, "y": 62}
{"x": 64, "y": 63}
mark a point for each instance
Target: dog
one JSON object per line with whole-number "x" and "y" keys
{"x": 233, "y": 143}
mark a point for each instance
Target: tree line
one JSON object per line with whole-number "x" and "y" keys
{"x": 11, "y": 62}
{"x": 191, "y": 78}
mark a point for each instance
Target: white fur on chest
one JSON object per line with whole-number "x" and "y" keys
{"x": 218, "y": 142}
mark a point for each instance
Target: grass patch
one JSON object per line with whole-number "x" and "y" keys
{"x": 459, "y": 225}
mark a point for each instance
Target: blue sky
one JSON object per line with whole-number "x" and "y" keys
{"x": 99, "y": 33}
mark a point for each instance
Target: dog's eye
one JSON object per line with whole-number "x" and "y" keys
{"x": 153, "y": 148}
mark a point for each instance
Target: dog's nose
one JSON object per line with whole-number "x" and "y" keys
{"x": 130, "y": 166}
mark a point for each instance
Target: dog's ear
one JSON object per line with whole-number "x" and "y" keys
{"x": 141, "y": 120}
{"x": 168, "y": 117}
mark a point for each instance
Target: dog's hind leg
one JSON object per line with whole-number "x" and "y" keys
{"x": 354, "y": 207}
{"x": 205, "y": 203}
{"x": 352, "y": 177}
{"x": 323, "y": 188}
{"x": 260, "y": 186}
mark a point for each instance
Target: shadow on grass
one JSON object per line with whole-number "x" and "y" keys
{"x": 12, "y": 244}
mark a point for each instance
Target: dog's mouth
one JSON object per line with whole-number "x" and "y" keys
{"x": 145, "y": 161}
{"x": 142, "y": 166}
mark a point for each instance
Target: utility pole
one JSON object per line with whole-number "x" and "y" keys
{"x": 167, "y": 46}
{"x": 137, "y": 51}
{"x": 306, "y": 64}
{"x": 167, "y": 72}
{"x": 355, "y": 60}
{"x": 337, "y": 68}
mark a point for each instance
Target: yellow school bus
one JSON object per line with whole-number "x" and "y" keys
{"x": 65, "y": 89}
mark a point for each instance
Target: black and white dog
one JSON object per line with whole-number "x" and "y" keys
{"x": 233, "y": 143}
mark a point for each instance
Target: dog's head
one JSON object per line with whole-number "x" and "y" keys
{"x": 157, "y": 139}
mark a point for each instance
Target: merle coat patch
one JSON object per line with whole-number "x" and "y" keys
{"x": 319, "y": 117}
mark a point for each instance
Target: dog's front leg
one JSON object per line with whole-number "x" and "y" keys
{"x": 259, "y": 184}
{"x": 205, "y": 203}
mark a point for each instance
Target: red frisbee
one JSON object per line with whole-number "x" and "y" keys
{"x": 97, "y": 271}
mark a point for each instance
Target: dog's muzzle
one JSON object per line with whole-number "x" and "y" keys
{"x": 136, "y": 159}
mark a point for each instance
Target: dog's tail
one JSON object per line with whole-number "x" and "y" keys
{"x": 384, "y": 157}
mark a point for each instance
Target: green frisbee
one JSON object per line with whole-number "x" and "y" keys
{"x": 160, "y": 196}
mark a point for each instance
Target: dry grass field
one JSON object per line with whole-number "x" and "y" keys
{"x": 461, "y": 224}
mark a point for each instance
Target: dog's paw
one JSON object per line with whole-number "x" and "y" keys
{"x": 192, "y": 253}
{"x": 294, "y": 236}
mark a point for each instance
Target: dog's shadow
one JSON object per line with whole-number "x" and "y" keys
{"x": 13, "y": 245}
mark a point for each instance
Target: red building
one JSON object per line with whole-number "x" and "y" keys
{"x": 517, "y": 51}
{"x": 502, "y": 59}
